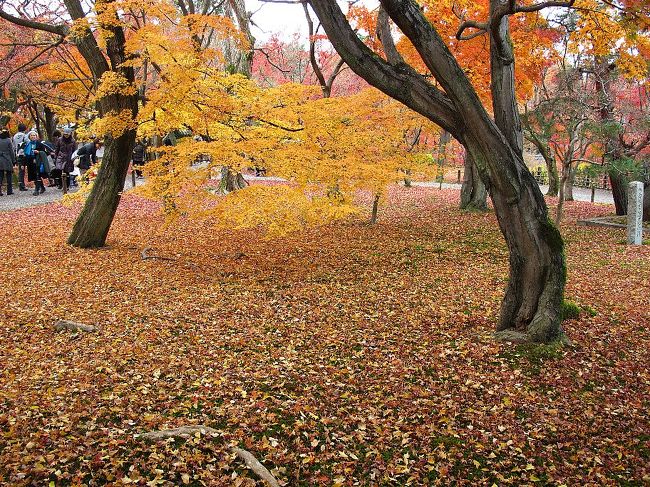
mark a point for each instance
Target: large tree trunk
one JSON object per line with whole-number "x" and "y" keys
{"x": 94, "y": 221}
{"x": 533, "y": 298}
{"x": 473, "y": 194}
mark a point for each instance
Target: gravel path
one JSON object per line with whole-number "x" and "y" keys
{"x": 579, "y": 194}
{"x": 25, "y": 199}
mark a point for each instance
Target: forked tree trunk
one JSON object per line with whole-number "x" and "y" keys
{"x": 532, "y": 302}
{"x": 231, "y": 180}
{"x": 473, "y": 194}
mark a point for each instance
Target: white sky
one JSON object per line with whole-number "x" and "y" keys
{"x": 280, "y": 18}
{"x": 284, "y": 19}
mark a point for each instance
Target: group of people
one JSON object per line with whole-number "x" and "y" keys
{"x": 53, "y": 160}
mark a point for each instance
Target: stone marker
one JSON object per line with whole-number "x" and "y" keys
{"x": 635, "y": 213}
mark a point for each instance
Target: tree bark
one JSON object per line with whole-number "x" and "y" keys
{"x": 570, "y": 181}
{"x": 92, "y": 226}
{"x": 537, "y": 271}
{"x": 619, "y": 183}
{"x": 473, "y": 194}
{"x": 549, "y": 160}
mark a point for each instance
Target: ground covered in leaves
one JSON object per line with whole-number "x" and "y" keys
{"x": 349, "y": 355}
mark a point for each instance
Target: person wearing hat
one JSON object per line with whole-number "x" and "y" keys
{"x": 63, "y": 150}
{"x": 36, "y": 157}
{"x": 7, "y": 159}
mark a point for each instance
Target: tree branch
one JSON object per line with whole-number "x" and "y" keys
{"x": 481, "y": 27}
{"x": 401, "y": 82}
{"x": 61, "y": 29}
{"x": 383, "y": 32}
{"x": 539, "y": 6}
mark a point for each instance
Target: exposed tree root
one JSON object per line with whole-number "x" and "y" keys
{"x": 188, "y": 431}
{"x": 74, "y": 326}
{"x": 145, "y": 255}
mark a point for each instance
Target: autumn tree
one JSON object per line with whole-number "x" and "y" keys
{"x": 116, "y": 102}
{"x": 557, "y": 123}
{"x": 532, "y": 302}
{"x": 610, "y": 42}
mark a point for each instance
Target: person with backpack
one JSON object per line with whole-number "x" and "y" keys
{"x": 36, "y": 157}
{"x": 7, "y": 159}
{"x": 20, "y": 140}
{"x": 63, "y": 150}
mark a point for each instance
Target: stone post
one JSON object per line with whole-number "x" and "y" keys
{"x": 635, "y": 213}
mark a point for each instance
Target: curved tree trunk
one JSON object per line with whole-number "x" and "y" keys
{"x": 535, "y": 290}
{"x": 473, "y": 194}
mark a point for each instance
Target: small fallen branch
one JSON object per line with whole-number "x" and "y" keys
{"x": 188, "y": 431}
{"x": 74, "y": 326}
{"x": 145, "y": 255}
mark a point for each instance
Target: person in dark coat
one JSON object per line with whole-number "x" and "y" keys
{"x": 87, "y": 154}
{"x": 7, "y": 159}
{"x": 36, "y": 158}
{"x": 138, "y": 157}
{"x": 63, "y": 150}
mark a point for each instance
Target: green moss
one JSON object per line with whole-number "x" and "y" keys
{"x": 553, "y": 236}
{"x": 589, "y": 310}
{"x": 569, "y": 310}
